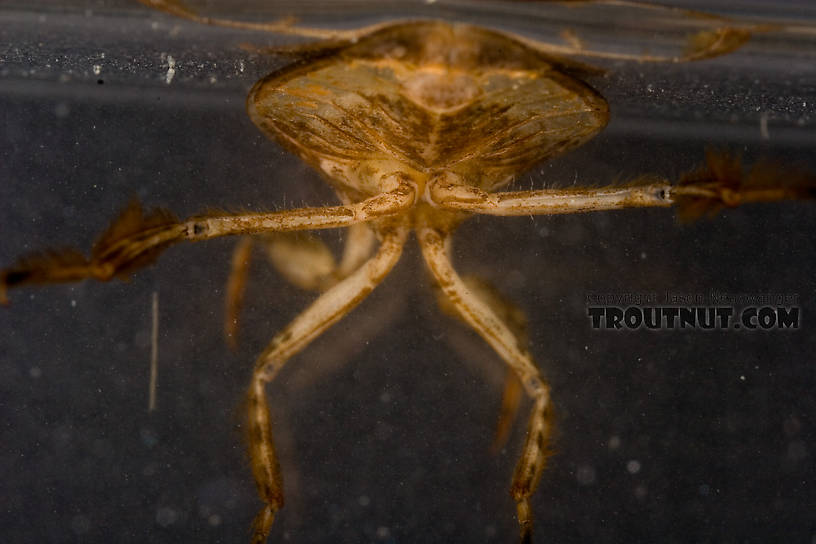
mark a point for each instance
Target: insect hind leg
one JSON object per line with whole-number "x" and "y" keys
{"x": 329, "y": 308}
{"x": 516, "y": 321}
{"x": 479, "y": 315}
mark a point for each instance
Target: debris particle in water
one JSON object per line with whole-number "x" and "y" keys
{"x": 171, "y": 69}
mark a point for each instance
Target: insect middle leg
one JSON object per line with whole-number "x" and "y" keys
{"x": 479, "y": 315}
{"x": 329, "y": 308}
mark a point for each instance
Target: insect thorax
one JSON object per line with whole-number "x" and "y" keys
{"x": 432, "y": 96}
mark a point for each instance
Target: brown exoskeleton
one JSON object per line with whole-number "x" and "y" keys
{"x": 416, "y": 126}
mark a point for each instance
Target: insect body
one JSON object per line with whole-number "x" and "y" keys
{"x": 416, "y": 126}
{"x": 389, "y": 121}
{"x": 427, "y": 99}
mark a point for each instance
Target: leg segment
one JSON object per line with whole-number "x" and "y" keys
{"x": 511, "y": 398}
{"x": 516, "y": 322}
{"x": 448, "y": 192}
{"x": 285, "y": 26}
{"x": 721, "y": 182}
{"x": 136, "y": 239}
{"x": 329, "y": 308}
{"x": 303, "y": 259}
{"x": 495, "y": 332}
{"x": 359, "y": 243}
{"x": 714, "y": 36}
{"x": 236, "y": 287}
